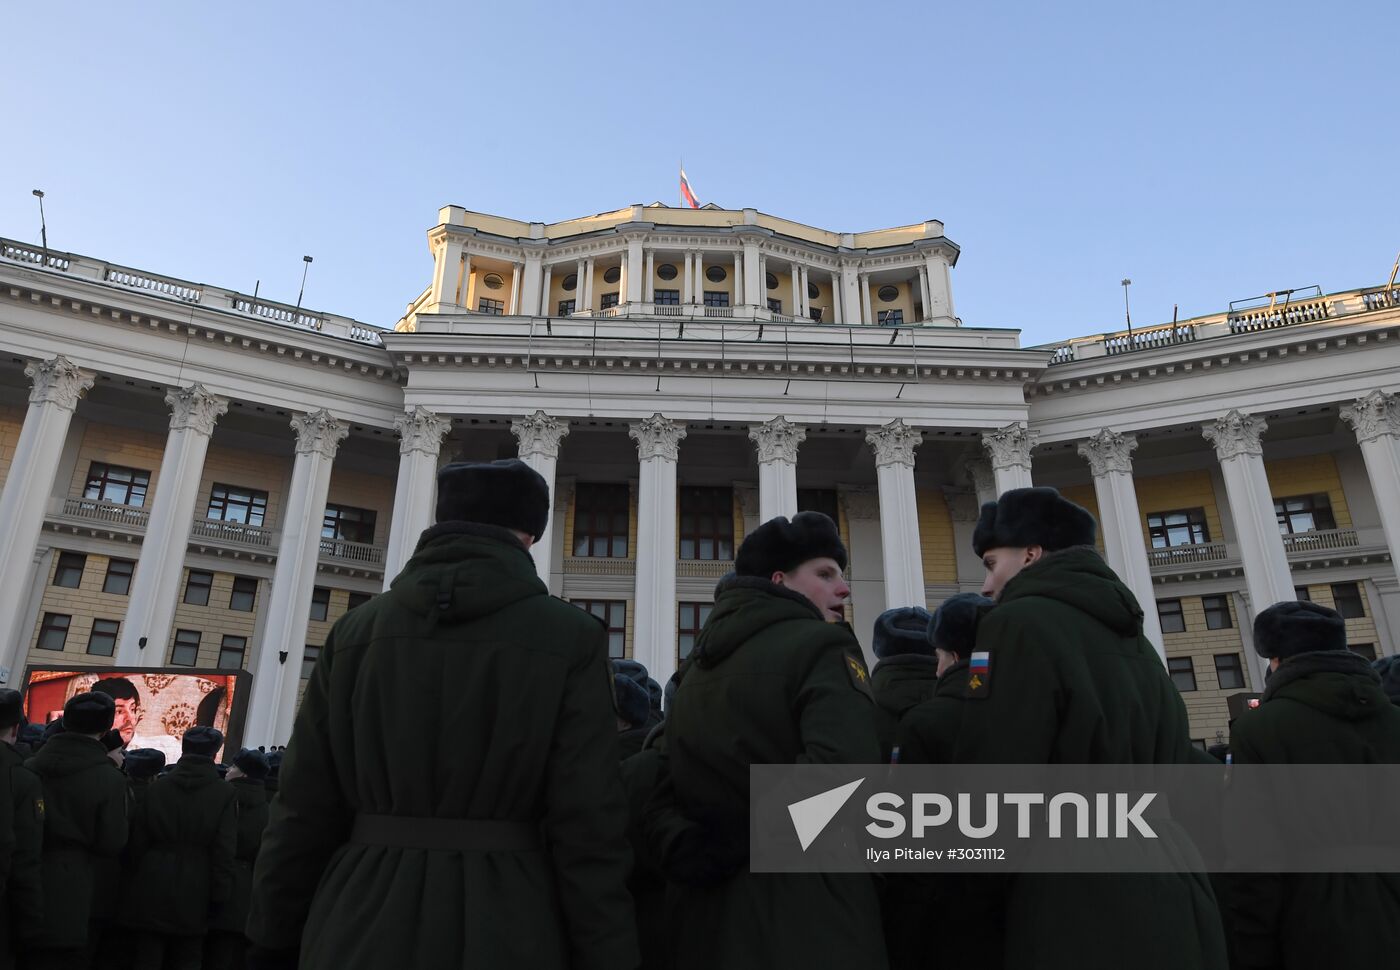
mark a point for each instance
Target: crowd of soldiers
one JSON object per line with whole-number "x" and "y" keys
{"x": 543, "y": 807}
{"x": 109, "y": 857}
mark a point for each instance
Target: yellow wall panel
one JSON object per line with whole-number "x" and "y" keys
{"x": 936, "y": 540}
{"x": 1182, "y": 490}
{"x": 1309, "y": 475}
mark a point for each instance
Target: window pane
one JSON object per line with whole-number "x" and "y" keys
{"x": 308, "y": 661}
{"x": 1367, "y": 650}
{"x": 600, "y": 519}
{"x": 320, "y": 603}
{"x": 103, "y": 641}
{"x": 53, "y": 632}
{"x": 119, "y": 572}
{"x": 1300, "y": 593}
{"x": 114, "y": 483}
{"x": 1347, "y": 596}
{"x": 231, "y": 652}
{"x": 69, "y": 571}
{"x": 1217, "y": 610}
{"x": 197, "y": 587}
{"x": 706, "y": 523}
{"x": 1170, "y": 617}
{"x": 185, "y": 651}
{"x": 1183, "y": 673}
{"x": 1228, "y": 671}
{"x": 245, "y": 591}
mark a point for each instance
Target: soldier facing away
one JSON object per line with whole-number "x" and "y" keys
{"x": 488, "y": 828}
{"x": 22, "y": 840}
{"x": 906, "y": 671}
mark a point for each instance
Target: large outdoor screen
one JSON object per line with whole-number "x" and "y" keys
{"x": 155, "y": 706}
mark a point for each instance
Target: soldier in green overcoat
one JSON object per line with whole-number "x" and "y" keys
{"x": 905, "y": 671}
{"x": 21, "y": 874}
{"x": 225, "y": 946}
{"x": 1323, "y": 705}
{"x": 182, "y": 850}
{"x": 1061, "y": 673}
{"x": 775, "y": 678}
{"x": 85, "y": 819}
{"x": 451, "y": 795}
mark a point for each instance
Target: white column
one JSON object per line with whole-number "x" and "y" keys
{"x": 1010, "y": 451}
{"x": 850, "y": 295}
{"x": 654, "y": 629}
{"x": 867, "y": 315}
{"x": 589, "y": 269}
{"x": 1110, "y": 459}
{"x": 1376, "y": 420}
{"x": 939, "y": 308}
{"x": 155, "y": 589}
{"x": 539, "y": 436}
{"x": 634, "y": 271}
{"x": 580, "y": 274}
{"x": 514, "y": 306}
{"x": 273, "y": 700}
{"x": 546, "y": 309}
{"x": 649, "y": 285}
{"x": 464, "y": 297}
{"x": 529, "y": 302}
{"x": 1236, "y": 438}
{"x": 795, "y": 309}
{"x": 448, "y": 274}
{"x": 777, "y": 442}
{"x": 753, "y": 273}
{"x": 741, "y": 291}
{"x": 924, "y": 292}
{"x": 687, "y": 284}
{"x": 837, "y": 312}
{"x": 415, "y": 493}
{"x": 894, "y": 446}
{"x": 699, "y": 289}
{"x": 804, "y": 309}
{"x": 58, "y": 383}
{"x": 983, "y": 481}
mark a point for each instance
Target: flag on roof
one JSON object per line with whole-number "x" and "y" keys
{"x": 687, "y": 196}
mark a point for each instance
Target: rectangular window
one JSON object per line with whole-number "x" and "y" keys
{"x": 349, "y": 523}
{"x": 1183, "y": 527}
{"x": 1300, "y": 593}
{"x": 197, "y": 587}
{"x": 716, "y": 298}
{"x": 69, "y": 571}
{"x": 690, "y": 617}
{"x": 815, "y": 313}
{"x": 890, "y": 318}
{"x": 115, "y": 483}
{"x": 1304, "y": 513}
{"x": 230, "y": 503}
{"x": 1217, "y": 612}
{"x": 119, "y": 573}
{"x": 1347, "y": 597}
{"x": 666, "y": 297}
{"x": 494, "y": 307}
{"x": 102, "y": 642}
{"x": 53, "y": 632}
{"x": 185, "y": 651}
{"x": 1229, "y": 671}
{"x": 359, "y": 599}
{"x": 1170, "y": 616}
{"x": 320, "y": 603}
{"x": 244, "y": 595}
{"x": 1366, "y": 650}
{"x": 607, "y": 301}
{"x": 613, "y": 613}
{"x": 1183, "y": 673}
{"x": 566, "y": 307}
{"x": 308, "y": 661}
{"x": 775, "y": 306}
{"x": 821, "y": 500}
{"x": 231, "y": 652}
{"x": 600, "y": 520}
{"x": 707, "y": 523}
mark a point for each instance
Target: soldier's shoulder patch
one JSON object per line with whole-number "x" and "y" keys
{"x": 855, "y": 669}
{"x": 39, "y": 809}
{"x": 979, "y": 674}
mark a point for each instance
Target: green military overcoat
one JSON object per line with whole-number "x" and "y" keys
{"x": 250, "y": 809}
{"x": 22, "y": 903}
{"x": 1072, "y": 680}
{"x": 182, "y": 850}
{"x": 770, "y": 683}
{"x": 1319, "y": 708}
{"x": 464, "y": 692}
{"x": 899, "y": 682}
{"x": 85, "y": 819}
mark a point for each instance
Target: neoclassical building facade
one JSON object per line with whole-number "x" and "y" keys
{"x": 198, "y": 477}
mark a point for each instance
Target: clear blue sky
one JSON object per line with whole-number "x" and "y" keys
{"x": 1209, "y": 151}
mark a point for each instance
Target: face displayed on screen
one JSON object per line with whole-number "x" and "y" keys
{"x": 128, "y": 716}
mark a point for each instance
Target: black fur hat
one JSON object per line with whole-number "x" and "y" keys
{"x": 633, "y": 701}
{"x": 1290, "y": 628}
{"x": 903, "y": 629}
{"x": 144, "y": 762}
{"x": 252, "y": 763}
{"x": 1032, "y": 517}
{"x": 202, "y": 740}
{"x": 1388, "y": 669}
{"x": 89, "y": 713}
{"x": 112, "y": 740}
{"x": 954, "y": 626}
{"x": 507, "y": 493}
{"x": 11, "y": 709}
{"x": 780, "y": 545}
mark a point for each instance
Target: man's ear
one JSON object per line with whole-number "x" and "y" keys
{"x": 1033, "y": 554}
{"x": 777, "y": 577}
